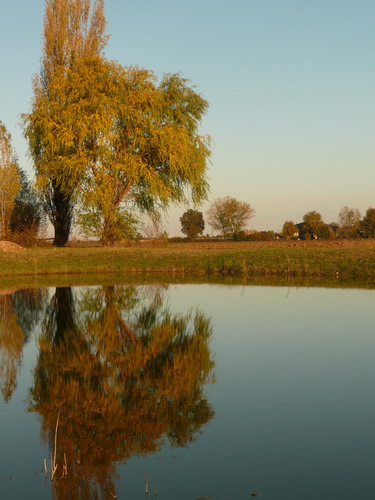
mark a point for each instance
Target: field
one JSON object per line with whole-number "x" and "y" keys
{"x": 330, "y": 260}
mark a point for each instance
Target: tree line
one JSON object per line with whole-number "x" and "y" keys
{"x": 108, "y": 142}
{"x": 349, "y": 225}
{"x": 230, "y": 216}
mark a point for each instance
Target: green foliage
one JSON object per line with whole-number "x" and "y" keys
{"x": 354, "y": 261}
{"x": 118, "y": 225}
{"x": 229, "y": 215}
{"x": 324, "y": 232}
{"x": 28, "y": 215}
{"x": 192, "y": 223}
{"x": 312, "y": 223}
{"x": 368, "y": 223}
{"x": 290, "y": 230}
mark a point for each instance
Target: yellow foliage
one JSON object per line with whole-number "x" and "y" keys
{"x": 106, "y": 135}
{"x": 9, "y": 180}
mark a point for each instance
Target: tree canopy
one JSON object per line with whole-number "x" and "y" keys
{"x": 192, "y": 223}
{"x": 349, "y": 221}
{"x": 152, "y": 155}
{"x": 229, "y": 216}
{"x": 289, "y": 230}
{"x": 108, "y": 137}
{"x": 312, "y": 223}
{"x": 368, "y": 223}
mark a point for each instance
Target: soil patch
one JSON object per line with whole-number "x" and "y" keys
{"x": 8, "y": 246}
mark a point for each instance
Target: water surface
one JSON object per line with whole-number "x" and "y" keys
{"x": 187, "y": 391}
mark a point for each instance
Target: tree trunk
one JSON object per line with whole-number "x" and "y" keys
{"x": 62, "y": 207}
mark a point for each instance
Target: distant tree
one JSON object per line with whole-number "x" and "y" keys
{"x": 312, "y": 223}
{"x": 153, "y": 230}
{"x": 368, "y": 223}
{"x": 28, "y": 215}
{"x": 324, "y": 232}
{"x": 9, "y": 180}
{"x": 349, "y": 222}
{"x": 229, "y": 216}
{"x": 192, "y": 223}
{"x": 290, "y": 230}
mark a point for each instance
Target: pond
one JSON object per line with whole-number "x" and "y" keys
{"x": 184, "y": 392}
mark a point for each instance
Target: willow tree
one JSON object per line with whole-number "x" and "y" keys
{"x": 9, "y": 180}
{"x": 73, "y": 30}
{"x": 144, "y": 150}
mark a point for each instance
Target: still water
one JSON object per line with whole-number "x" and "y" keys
{"x": 182, "y": 392}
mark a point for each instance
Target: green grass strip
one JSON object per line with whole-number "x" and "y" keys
{"x": 320, "y": 262}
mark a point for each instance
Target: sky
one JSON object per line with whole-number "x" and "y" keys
{"x": 290, "y": 85}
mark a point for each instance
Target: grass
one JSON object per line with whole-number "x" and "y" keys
{"x": 331, "y": 260}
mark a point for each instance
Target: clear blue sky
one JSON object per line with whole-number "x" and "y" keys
{"x": 291, "y": 87}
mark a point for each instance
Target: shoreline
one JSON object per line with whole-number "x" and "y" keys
{"x": 285, "y": 260}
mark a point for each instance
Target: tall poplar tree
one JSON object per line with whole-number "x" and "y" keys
{"x": 74, "y": 30}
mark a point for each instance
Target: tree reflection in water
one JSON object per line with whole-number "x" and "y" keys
{"x": 122, "y": 373}
{"x": 19, "y": 314}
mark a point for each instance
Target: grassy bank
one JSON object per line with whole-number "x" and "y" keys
{"x": 328, "y": 261}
